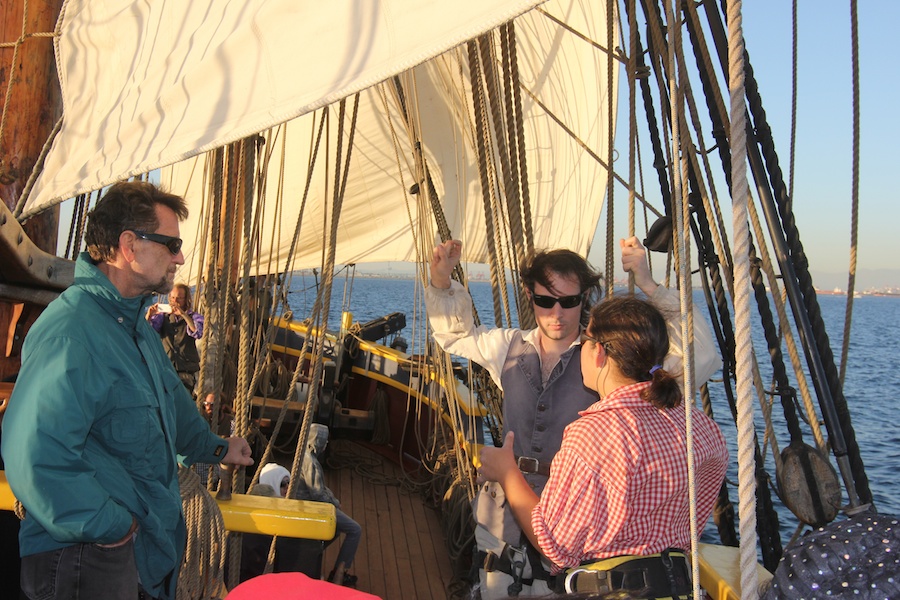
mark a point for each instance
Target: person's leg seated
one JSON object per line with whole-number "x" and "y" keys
{"x": 352, "y": 534}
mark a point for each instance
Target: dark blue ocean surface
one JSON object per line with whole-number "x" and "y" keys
{"x": 871, "y": 387}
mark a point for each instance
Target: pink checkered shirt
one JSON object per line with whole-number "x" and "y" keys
{"x": 619, "y": 484}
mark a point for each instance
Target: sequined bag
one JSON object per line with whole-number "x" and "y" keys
{"x": 858, "y": 558}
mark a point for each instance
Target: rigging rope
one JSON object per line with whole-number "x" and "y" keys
{"x": 610, "y": 133}
{"x": 508, "y": 141}
{"x": 681, "y": 231}
{"x": 854, "y": 208}
{"x": 744, "y": 348}
{"x": 768, "y": 522}
{"x": 236, "y": 196}
{"x": 478, "y": 102}
{"x": 38, "y": 167}
{"x": 632, "y": 121}
{"x": 811, "y": 417}
{"x": 821, "y": 357}
{"x": 519, "y": 123}
{"x": 793, "y": 96}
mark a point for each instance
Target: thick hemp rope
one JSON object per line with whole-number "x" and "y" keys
{"x": 744, "y": 346}
{"x": 202, "y": 570}
{"x": 681, "y": 231}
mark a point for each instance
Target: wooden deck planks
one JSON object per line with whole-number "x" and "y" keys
{"x": 420, "y": 551}
{"x": 402, "y": 553}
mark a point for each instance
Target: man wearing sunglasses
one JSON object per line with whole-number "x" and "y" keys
{"x": 539, "y": 372}
{"x": 98, "y": 416}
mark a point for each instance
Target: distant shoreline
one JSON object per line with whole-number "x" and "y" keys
{"x": 412, "y": 277}
{"x": 886, "y": 291}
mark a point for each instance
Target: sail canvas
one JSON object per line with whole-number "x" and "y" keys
{"x": 146, "y": 84}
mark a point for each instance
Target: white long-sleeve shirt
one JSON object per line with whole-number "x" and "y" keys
{"x": 453, "y": 324}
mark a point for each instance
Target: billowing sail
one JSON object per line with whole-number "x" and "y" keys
{"x": 424, "y": 111}
{"x": 146, "y": 84}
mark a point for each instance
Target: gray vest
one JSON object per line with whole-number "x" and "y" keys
{"x": 536, "y": 414}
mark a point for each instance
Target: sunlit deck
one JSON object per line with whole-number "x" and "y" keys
{"x": 402, "y": 553}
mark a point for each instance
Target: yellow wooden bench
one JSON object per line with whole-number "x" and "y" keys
{"x": 720, "y": 572}
{"x": 253, "y": 514}
{"x": 279, "y": 516}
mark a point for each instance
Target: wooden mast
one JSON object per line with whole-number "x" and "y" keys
{"x": 28, "y": 71}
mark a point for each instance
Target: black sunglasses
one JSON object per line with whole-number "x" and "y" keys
{"x": 172, "y": 243}
{"x": 549, "y": 301}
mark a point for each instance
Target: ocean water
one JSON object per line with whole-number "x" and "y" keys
{"x": 871, "y": 387}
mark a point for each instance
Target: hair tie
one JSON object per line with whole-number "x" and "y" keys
{"x": 654, "y": 369}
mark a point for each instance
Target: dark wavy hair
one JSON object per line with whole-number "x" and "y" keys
{"x": 127, "y": 205}
{"x": 187, "y": 294}
{"x": 567, "y": 264}
{"x": 633, "y": 332}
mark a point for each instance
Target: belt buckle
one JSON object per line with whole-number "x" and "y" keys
{"x": 528, "y": 464}
{"x": 602, "y": 583}
{"x": 570, "y": 577}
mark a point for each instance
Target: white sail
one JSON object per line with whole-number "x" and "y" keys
{"x": 162, "y": 94}
{"x": 146, "y": 84}
{"x": 565, "y": 79}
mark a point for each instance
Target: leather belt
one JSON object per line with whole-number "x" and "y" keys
{"x": 528, "y": 464}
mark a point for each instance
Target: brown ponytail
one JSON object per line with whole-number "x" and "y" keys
{"x": 664, "y": 392}
{"x": 633, "y": 332}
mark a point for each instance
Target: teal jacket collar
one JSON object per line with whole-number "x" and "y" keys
{"x": 125, "y": 310}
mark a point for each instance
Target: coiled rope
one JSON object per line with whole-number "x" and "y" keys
{"x": 202, "y": 570}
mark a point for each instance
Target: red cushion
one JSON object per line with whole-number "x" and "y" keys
{"x": 291, "y": 586}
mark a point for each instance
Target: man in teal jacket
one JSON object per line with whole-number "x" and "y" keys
{"x": 98, "y": 416}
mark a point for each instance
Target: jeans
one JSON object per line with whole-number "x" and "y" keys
{"x": 352, "y": 532}
{"x": 81, "y": 572}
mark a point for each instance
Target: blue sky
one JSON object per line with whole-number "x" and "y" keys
{"x": 823, "y": 154}
{"x": 823, "y": 175}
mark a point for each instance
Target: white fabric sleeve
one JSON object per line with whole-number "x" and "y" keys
{"x": 453, "y": 326}
{"x": 706, "y": 355}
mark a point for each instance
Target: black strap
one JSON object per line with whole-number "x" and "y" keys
{"x": 537, "y": 565}
{"x": 669, "y": 566}
{"x": 490, "y": 562}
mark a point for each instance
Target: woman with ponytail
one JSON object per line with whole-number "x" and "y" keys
{"x": 619, "y": 486}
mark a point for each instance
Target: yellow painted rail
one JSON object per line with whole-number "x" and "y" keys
{"x": 720, "y": 572}
{"x": 253, "y": 514}
{"x": 464, "y": 398}
{"x": 7, "y": 500}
